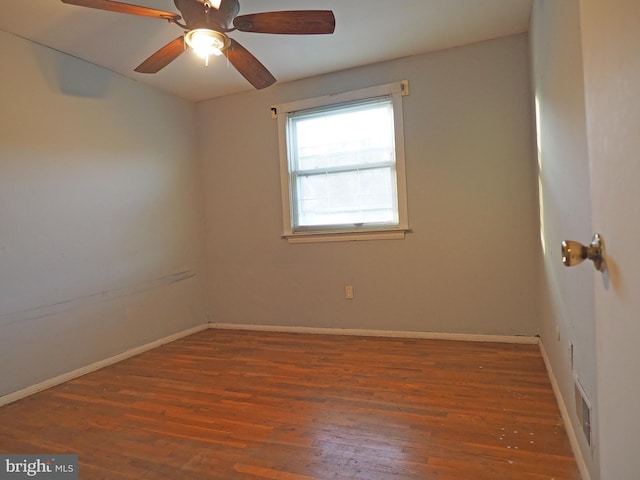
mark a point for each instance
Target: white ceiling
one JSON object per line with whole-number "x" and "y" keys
{"x": 367, "y": 31}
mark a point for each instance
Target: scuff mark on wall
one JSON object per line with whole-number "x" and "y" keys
{"x": 43, "y": 311}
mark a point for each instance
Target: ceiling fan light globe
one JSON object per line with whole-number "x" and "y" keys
{"x": 206, "y": 42}
{"x": 212, "y": 4}
{"x": 206, "y": 53}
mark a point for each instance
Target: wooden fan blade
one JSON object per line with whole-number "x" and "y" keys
{"x": 162, "y": 57}
{"x": 294, "y": 22}
{"x": 249, "y": 66}
{"x": 119, "y": 7}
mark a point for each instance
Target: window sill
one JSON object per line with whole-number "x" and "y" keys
{"x": 315, "y": 237}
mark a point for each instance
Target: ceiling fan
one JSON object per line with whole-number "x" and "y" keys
{"x": 206, "y": 24}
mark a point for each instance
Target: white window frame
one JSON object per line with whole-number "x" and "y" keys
{"x": 395, "y": 91}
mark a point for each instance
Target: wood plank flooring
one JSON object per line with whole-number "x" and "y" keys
{"x": 253, "y": 405}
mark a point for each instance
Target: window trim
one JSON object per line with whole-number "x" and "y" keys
{"x": 396, "y": 91}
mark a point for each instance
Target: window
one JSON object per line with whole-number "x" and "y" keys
{"x": 342, "y": 165}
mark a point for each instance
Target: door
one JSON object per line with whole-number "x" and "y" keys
{"x": 611, "y": 51}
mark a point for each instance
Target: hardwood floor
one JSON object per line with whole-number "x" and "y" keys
{"x": 253, "y": 405}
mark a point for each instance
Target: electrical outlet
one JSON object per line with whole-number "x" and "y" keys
{"x": 571, "y": 354}
{"x": 348, "y": 292}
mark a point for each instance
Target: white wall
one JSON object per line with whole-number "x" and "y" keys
{"x": 100, "y": 215}
{"x": 470, "y": 264}
{"x": 567, "y": 293}
{"x": 610, "y": 38}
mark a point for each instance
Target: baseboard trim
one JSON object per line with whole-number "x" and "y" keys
{"x": 519, "y": 339}
{"x": 566, "y": 418}
{"x": 65, "y": 377}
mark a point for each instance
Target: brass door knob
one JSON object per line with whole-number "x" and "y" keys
{"x": 574, "y": 253}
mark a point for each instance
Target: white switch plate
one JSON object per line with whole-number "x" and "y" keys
{"x": 348, "y": 292}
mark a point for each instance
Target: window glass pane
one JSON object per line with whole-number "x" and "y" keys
{"x": 352, "y": 197}
{"x": 355, "y": 134}
{"x": 343, "y": 163}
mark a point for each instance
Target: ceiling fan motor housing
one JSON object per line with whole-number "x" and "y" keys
{"x": 197, "y": 15}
